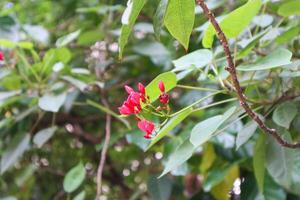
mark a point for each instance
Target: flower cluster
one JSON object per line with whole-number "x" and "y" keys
{"x": 138, "y": 102}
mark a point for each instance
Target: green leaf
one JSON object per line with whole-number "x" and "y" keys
{"x": 289, "y": 35}
{"x": 204, "y": 130}
{"x": 170, "y": 81}
{"x": 8, "y": 94}
{"x": 80, "y": 196}
{"x": 158, "y": 19}
{"x": 74, "y": 178}
{"x": 289, "y": 8}
{"x": 259, "y": 158}
{"x": 196, "y": 59}
{"x": 272, "y": 191}
{"x": 41, "y": 137}
{"x": 277, "y": 58}
{"x": 64, "y": 40}
{"x": 284, "y": 114}
{"x": 234, "y": 23}
{"x": 279, "y": 161}
{"x": 159, "y": 189}
{"x": 129, "y": 17}
{"x": 172, "y": 123}
{"x": 245, "y": 134}
{"x": 179, "y": 20}
{"x": 90, "y": 37}
{"x": 251, "y": 44}
{"x": 179, "y": 156}
{"x": 17, "y": 149}
{"x": 216, "y": 176}
{"x": 52, "y": 103}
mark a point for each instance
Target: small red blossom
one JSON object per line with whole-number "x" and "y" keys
{"x": 142, "y": 89}
{"x": 161, "y": 86}
{"x": 147, "y": 127}
{"x": 164, "y": 98}
{"x": 133, "y": 103}
{"x": 1, "y": 56}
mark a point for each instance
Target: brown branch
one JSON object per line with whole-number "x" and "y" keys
{"x": 231, "y": 69}
{"x": 103, "y": 152}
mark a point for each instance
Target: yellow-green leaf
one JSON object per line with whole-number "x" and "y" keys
{"x": 179, "y": 20}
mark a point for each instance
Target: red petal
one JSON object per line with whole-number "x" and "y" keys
{"x": 128, "y": 89}
{"x": 161, "y": 86}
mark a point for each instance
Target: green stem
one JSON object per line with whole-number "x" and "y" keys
{"x": 195, "y": 103}
{"x": 214, "y": 104}
{"x": 199, "y": 88}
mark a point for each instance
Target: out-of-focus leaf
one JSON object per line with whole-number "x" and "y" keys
{"x": 217, "y": 175}
{"x": 5, "y": 95}
{"x": 64, "y": 40}
{"x": 259, "y": 158}
{"x": 179, "y": 156}
{"x": 137, "y": 138}
{"x": 279, "y": 161}
{"x": 159, "y": 189}
{"x": 52, "y": 103}
{"x": 179, "y": 20}
{"x": 289, "y": 8}
{"x": 246, "y": 133}
{"x": 37, "y": 33}
{"x": 158, "y": 20}
{"x": 284, "y": 114}
{"x": 106, "y": 110}
{"x": 74, "y": 178}
{"x": 289, "y": 35}
{"x": 208, "y": 158}
{"x": 272, "y": 190}
{"x": 277, "y": 58}
{"x": 263, "y": 20}
{"x": 89, "y": 37}
{"x": 80, "y": 196}
{"x": 196, "y": 59}
{"x": 129, "y": 17}
{"x": 220, "y": 191}
{"x": 170, "y": 81}
{"x": 77, "y": 83}
{"x": 172, "y": 123}
{"x": 234, "y": 23}
{"x": 41, "y": 137}
{"x": 11, "y": 156}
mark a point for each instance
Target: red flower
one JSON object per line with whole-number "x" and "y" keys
{"x": 164, "y": 98}
{"x": 147, "y": 127}
{"x": 133, "y": 103}
{"x": 161, "y": 86}
{"x": 1, "y": 56}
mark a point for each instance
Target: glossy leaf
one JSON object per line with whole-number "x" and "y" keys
{"x": 245, "y": 134}
{"x": 196, "y": 59}
{"x": 129, "y": 17}
{"x": 234, "y": 23}
{"x": 158, "y": 20}
{"x": 284, "y": 114}
{"x": 80, "y": 196}
{"x": 179, "y": 156}
{"x": 170, "y": 81}
{"x": 179, "y": 20}
{"x": 74, "y": 178}
{"x": 277, "y": 58}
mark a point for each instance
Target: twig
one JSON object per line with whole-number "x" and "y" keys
{"x": 103, "y": 152}
{"x": 231, "y": 69}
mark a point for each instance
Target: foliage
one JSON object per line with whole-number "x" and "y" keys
{"x": 63, "y": 66}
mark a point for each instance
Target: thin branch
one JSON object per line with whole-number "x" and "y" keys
{"x": 103, "y": 152}
{"x": 231, "y": 69}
